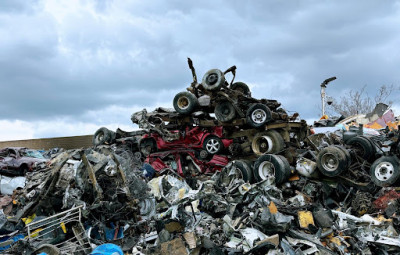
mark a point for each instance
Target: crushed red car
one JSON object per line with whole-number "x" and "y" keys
{"x": 180, "y": 160}
{"x": 208, "y": 139}
{"x": 19, "y": 160}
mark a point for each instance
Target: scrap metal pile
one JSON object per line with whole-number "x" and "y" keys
{"x": 222, "y": 173}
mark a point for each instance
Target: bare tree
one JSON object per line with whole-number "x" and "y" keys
{"x": 359, "y": 102}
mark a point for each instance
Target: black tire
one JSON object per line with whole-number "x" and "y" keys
{"x": 242, "y": 87}
{"x": 231, "y": 172}
{"x": 268, "y": 165}
{"x": 23, "y": 169}
{"x": 147, "y": 146}
{"x": 385, "y": 171}
{"x": 332, "y": 161}
{"x": 258, "y": 115}
{"x": 213, "y": 80}
{"x": 287, "y": 166}
{"x": 224, "y": 111}
{"x": 185, "y": 102}
{"x": 270, "y": 142}
{"x": 212, "y": 144}
{"x": 247, "y": 172}
{"x": 102, "y": 136}
{"x": 363, "y": 146}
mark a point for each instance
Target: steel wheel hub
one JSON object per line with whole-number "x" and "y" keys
{"x": 384, "y": 171}
{"x": 266, "y": 170}
{"x": 330, "y": 162}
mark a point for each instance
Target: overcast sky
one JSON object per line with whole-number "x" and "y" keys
{"x": 69, "y": 67}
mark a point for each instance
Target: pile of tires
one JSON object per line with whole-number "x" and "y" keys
{"x": 268, "y": 167}
{"x": 257, "y": 114}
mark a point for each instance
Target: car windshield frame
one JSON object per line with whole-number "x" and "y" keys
{"x": 32, "y": 154}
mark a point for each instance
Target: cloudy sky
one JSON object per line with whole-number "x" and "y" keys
{"x": 69, "y": 67}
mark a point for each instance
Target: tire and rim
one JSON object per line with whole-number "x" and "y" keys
{"x": 332, "y": 161}
{"x": 385, "y": 171}
{"x": 224, "y": 111}
{"x": 363, "y": 146}
{"x": 212, "y": 144}
{"x": 269, "y": 165}
{"x": 213, "y": 80}
{"x": 185, "y": 102}
{"x": 258, "y": 115}
{"x": 147, "y": 146}
{"x": 267, "y": 142}
{"x": 237, "y": 169}
{"x": 242, "y": 87}
{"x": 245, "y": 169}
{"x": 102, "y": 136}
{"x": 346, "y": 152}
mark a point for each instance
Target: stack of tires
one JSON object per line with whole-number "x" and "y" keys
{"x": 257, "y": 114}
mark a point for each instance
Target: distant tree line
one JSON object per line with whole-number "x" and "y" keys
{"x": 359, "y": 102}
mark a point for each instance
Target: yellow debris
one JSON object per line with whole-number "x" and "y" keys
{"x": 29, "y": 219}
{"x": 64, "y": 229}
{"x": 272, "y": 208}
{"x": 305, "y": 219}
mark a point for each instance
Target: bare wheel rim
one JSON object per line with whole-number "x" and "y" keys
{"x": 259, "y": 116}
{"x": 264, "y": 144}
{"x": 329, "y": 162}
{"x": 384, "y": 171}
{"x": 266, "y": 170}
{"x": 183, "y": 102}
{"x": 212, "y": 146}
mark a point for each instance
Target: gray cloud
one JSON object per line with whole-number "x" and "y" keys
{"x": 67, "y": 59}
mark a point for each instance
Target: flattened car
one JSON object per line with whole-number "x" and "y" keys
{"x": 19, "y": 160}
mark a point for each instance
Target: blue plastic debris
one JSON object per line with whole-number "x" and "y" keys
{"x": 107, "y": 249}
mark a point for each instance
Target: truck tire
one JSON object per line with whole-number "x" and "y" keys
{"x": 258, "y": 115}
{"x": 385, "y": 171}
{"x": 224, "y": 111}
{"x": 271, "y": 165}
{"x": 363, "y": 146}
{"x": 270, "y": 142}
{"x": 213, "y": 80}
{"x": 332, "y": 161}
{"x": 185, "y": 102}
{"x": 247, "y": 172}
{"x": 101, "y": 136}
